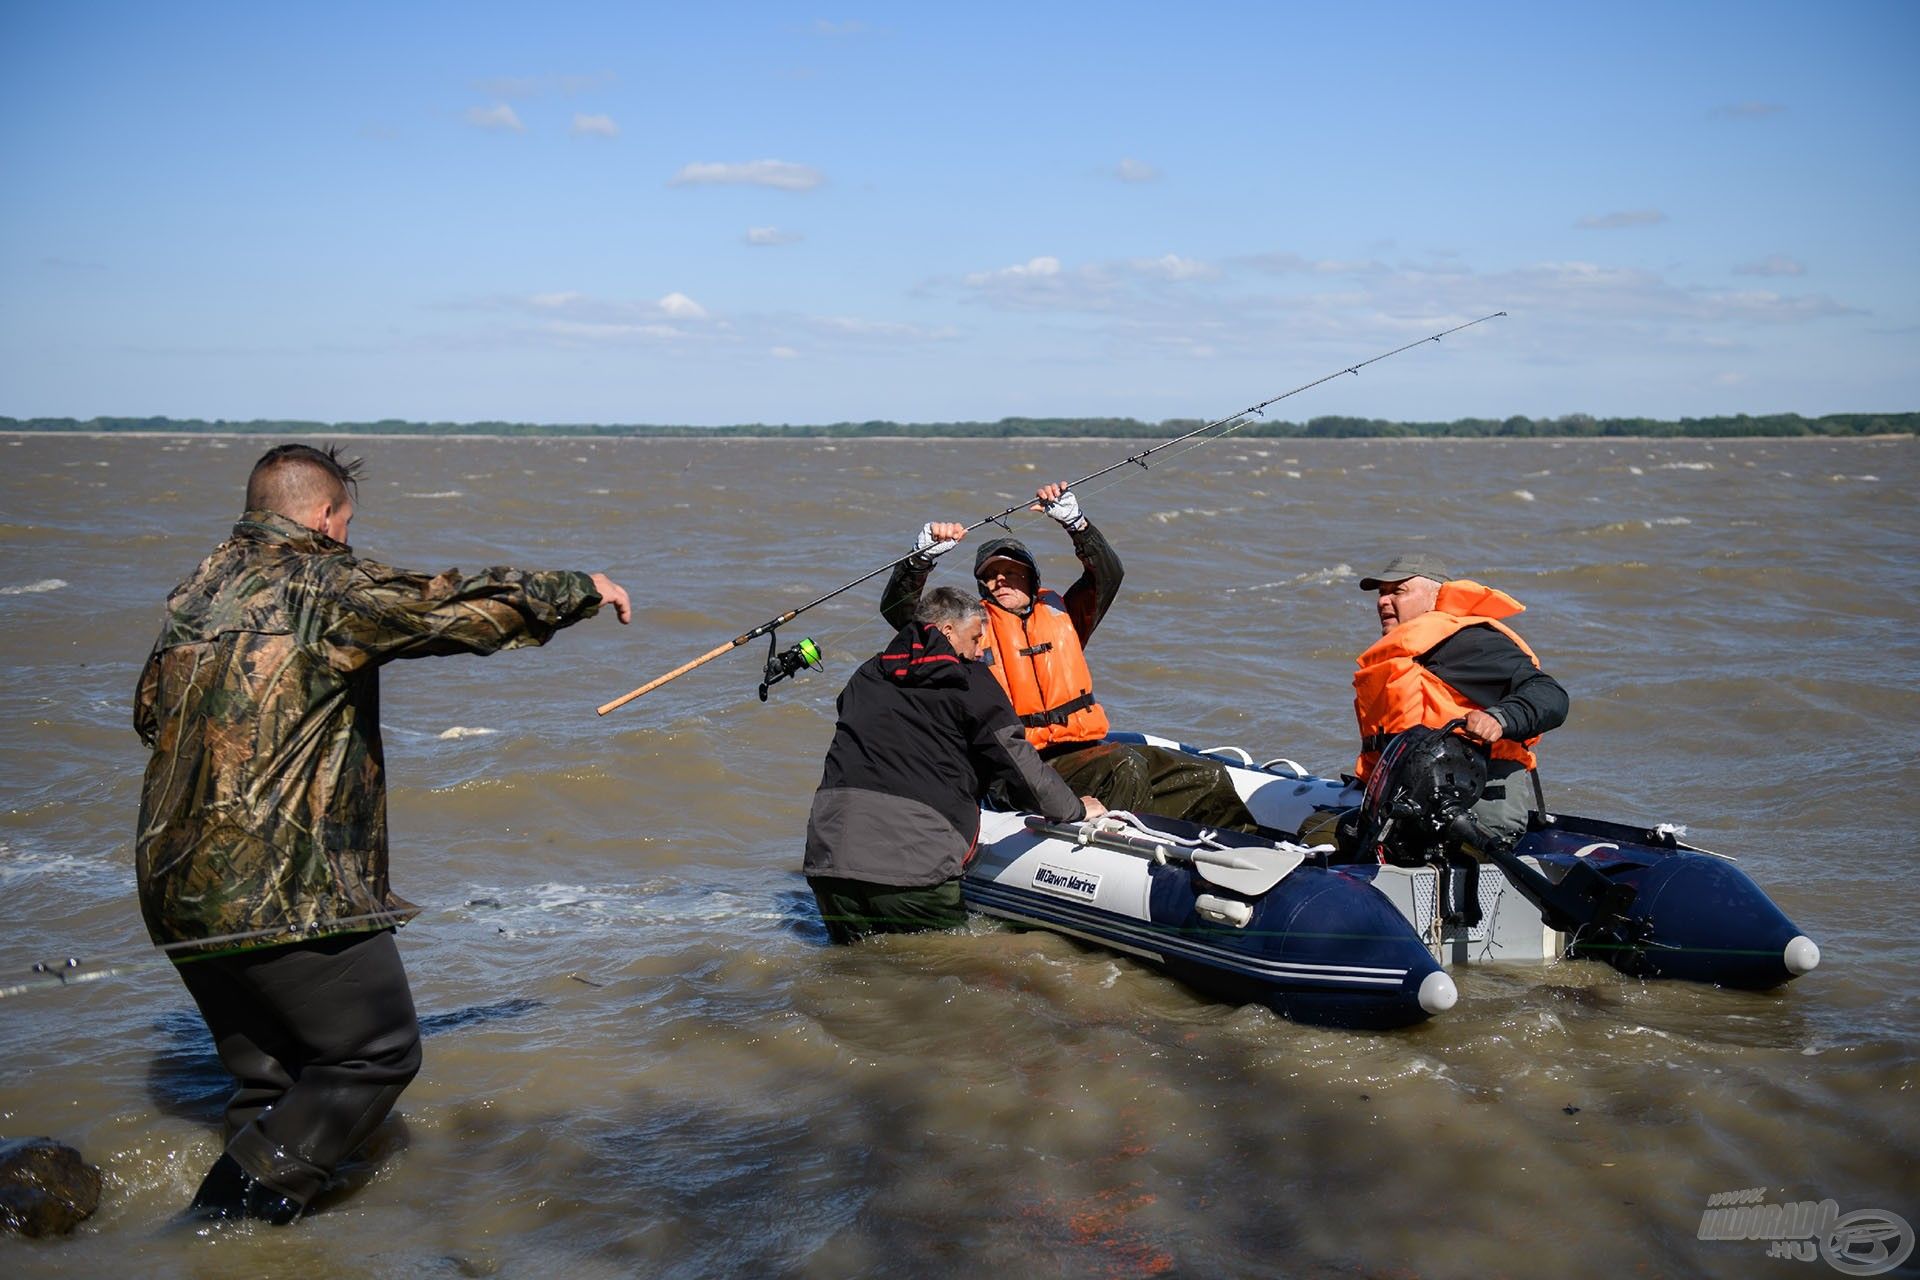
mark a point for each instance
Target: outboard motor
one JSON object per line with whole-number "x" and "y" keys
{"x": 1424, "y": 780}
{"x": 1418, "y": 809}
{"x": 1423, "y": 785}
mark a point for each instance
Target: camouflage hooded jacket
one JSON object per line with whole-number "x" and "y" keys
{"x": 264, "y": 810}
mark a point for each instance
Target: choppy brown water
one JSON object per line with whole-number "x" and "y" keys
{"x": 643, "y": 1060}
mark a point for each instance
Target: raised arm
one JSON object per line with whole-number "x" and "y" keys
{"x": 1093, "y": 592}
{"x": 380, "y": 614}
{"x": 901, "y": 596}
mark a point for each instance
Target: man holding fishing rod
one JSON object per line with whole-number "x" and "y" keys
{"x": 1037, "y": 654}
{"x": 262, "y": 846}
{"x": 920, "y": 733}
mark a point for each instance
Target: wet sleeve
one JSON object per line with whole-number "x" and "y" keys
{"x": 379, "y": 614}
{"x": 1092, "y": 594}
{"x": 1000, "y": 745}
{"x": 1493, "y": 671}
{"x": 901, "y": 595}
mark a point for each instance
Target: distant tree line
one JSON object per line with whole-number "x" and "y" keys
{"x": 1575, "y": 425}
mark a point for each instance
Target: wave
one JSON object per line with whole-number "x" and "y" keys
{"x": 1634, "y": 526}
{"x": 35, "y": 588}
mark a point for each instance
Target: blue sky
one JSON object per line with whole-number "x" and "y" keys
{"x": 736, "y": 213}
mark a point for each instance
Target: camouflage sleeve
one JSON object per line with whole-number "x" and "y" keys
{"x": 146, "y": 719}
{"x": 379, "y": 614}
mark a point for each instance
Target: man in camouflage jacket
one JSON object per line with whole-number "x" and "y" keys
{"x": 262, "y": 844}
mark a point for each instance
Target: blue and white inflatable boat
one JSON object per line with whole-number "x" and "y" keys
{"x": 1369, "y": 943}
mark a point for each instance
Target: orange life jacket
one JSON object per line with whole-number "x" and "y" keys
{"x": 1039, "y": 662}
{"x": 1392, "y": 691}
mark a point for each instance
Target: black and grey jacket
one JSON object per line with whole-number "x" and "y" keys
{"x": 1489, "y": 669}
{"x": 922, "y": 733}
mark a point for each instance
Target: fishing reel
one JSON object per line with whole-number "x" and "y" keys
{"x": 787, "y": 662}
{"x": 1424, "y": 782}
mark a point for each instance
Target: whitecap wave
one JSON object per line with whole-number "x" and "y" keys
{"x": 34, "y": 588}
{"x": 443, "y": 493}
{"x": 459, "y": 731}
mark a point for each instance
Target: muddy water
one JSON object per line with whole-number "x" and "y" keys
{"x": 641, "y": 1058}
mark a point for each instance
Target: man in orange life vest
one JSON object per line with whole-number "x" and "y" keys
{"x": 1038, "y": 641}
{"x": 1444, "y": 654}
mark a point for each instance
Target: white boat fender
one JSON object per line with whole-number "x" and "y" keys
{"x": 1223, "y": 910}
{"x": 1437, "y": 993}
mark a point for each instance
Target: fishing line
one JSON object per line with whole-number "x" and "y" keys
{"x": 72, "y": 971}
{"x": 1212, "y": 430}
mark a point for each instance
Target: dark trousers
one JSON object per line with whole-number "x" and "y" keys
{"x": 852, "y": 909}
{"x": 1143, "y": 779}
{"x": 321, "y": 1039}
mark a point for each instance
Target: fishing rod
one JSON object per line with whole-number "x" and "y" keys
{"x": 806, "y": 654}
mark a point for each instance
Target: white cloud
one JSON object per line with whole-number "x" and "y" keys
{"x": 1248, "y": 305}
{"x": 1774, "y": 264}
{"x": 579, "y": 317}
{"x": 784, "y": 353}
{"x": 1621, "y": 219}
{"x": 1031, "y": 269}
{"x": 595, "y": 126}
{"x": 887, "y": 330}
{"x": 778, "y": 174}
{"x": 1043, "y": 284}
{"x": 852, "y": 27}
{"x": 1174, "y": 267}
{"x": 606, "y": 332}
{"x": 771, "y": 235}
{"x": 1285, "y": 264}
{"x": 681, "y": 307}
{"x": 499, "y": 118}
{"x": 1131, "y": 170}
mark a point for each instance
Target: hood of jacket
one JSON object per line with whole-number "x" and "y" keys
{"x": 921, "y": 657}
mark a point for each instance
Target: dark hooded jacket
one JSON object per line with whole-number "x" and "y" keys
{"x": 922, "y": 733}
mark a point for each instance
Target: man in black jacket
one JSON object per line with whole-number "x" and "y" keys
{"x": 1038, "y": 640}
{"x": 922, "y": 732}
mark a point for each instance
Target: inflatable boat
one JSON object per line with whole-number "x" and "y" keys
{"x": 1365, "y": 936}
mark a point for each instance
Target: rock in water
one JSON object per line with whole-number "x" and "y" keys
{"x": 46, "y": 1189}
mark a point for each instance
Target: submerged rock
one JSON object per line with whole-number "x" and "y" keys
{"x": 46, "y": 1189}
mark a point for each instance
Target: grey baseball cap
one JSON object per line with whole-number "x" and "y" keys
{"x": 1006, "y": 549}
{"x": 1412, "y": 564}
